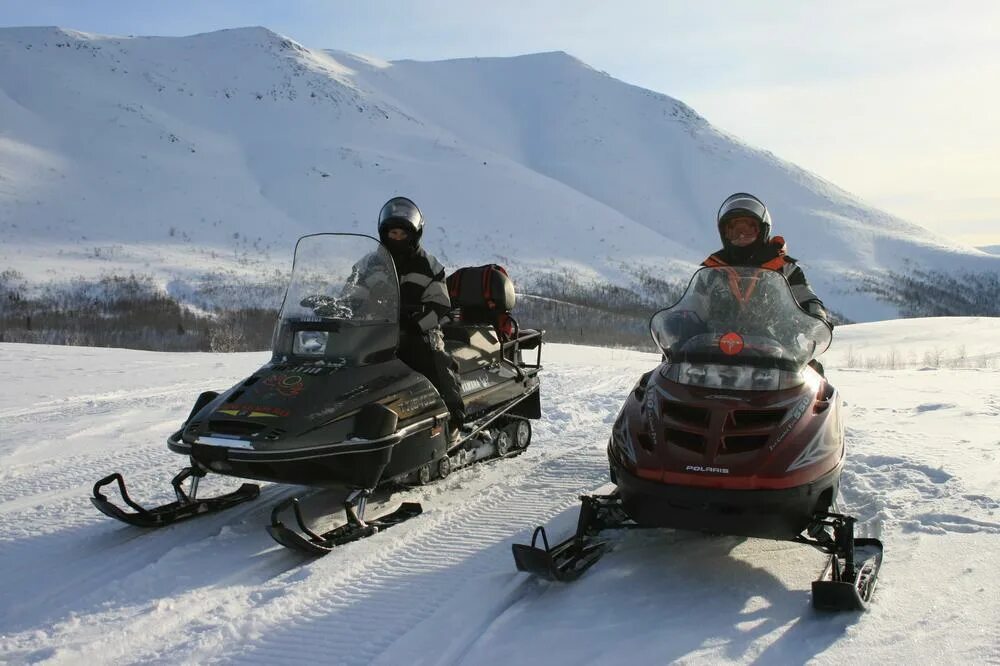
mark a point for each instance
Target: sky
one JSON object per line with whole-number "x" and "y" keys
{"x": 883, "y": 99}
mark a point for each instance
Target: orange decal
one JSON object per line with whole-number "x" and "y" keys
{"x": 731, "y": 344}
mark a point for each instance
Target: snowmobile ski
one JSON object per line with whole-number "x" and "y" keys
{"x": 567, "y": 560}
{"x": 841, "y": 591}
{"x": 848, "y": 580}
{"x": 307, "y": 541}
{"x": 846, "y": 583}
{"x": 187, "y": 505}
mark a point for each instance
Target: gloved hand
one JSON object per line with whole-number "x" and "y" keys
{"x": 411, "y": 325}
{"x": 816, "y": 309}
{"x": 313, "y": 300}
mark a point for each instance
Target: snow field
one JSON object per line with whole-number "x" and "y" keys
{"x": 924, "y": 451}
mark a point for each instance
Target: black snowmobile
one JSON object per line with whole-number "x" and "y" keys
{"x": 734, "y": 433}
{"x": 336, "y": 408}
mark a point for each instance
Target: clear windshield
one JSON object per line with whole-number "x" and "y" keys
{"x": 342, "y": 303}
{"x": 739, "y": 317}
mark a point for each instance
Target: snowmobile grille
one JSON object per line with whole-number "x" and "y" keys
{"x": 754, "y": 418}
{"x": 239, "y": 428}
{"x": 305, "y": 369}
{"x": 743, "y": 443}
{"x": 678, "y": 411}
{"x": 686, "y": 440}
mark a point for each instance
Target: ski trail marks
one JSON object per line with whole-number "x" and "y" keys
{"x": 235, "y": 596}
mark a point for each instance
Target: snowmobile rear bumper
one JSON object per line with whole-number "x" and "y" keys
{"x": 768, "y": 514}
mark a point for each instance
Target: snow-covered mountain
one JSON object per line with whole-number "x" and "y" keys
{"x": 78, "y": 587}
{"x": 991, "y": 249}
{"x": 184, "y": 156}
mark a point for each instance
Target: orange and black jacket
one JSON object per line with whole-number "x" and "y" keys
{"x": 772, "y": 256}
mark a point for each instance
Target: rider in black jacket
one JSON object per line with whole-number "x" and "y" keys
{"x": 424, "y": 301}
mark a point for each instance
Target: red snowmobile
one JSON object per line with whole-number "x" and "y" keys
{"x": 736, "y": 432}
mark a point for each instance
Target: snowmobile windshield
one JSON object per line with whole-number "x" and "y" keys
{"x": 342, "y": 303}
{"x": 739, "y": 328}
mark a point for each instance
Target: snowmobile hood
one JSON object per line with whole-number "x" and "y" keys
{"x": 680, "y": 434}
{"x": 285, "y": 407}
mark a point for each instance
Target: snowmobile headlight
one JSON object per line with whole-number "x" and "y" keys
{"x": 735, "y": 377}
{"x": 310, "y": 343}
{"x": 765, "y": 379}
{"x": 731, "y": 376}
{"x": 693, "y": 374}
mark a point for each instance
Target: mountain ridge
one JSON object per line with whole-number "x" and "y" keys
{"x": 214, "y": 152}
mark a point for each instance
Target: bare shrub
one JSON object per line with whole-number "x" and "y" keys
{"x": 226, "y": 338}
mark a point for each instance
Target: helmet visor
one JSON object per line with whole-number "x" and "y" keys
{"x": 742, "y": 205}
{"x": 402, "y": 213}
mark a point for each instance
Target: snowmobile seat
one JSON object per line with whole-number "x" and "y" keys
{"x": 465, "y": 333}
{"x": 483, "y": 295}
{"x": 471, "y": 345}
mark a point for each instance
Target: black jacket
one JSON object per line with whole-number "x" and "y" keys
{"x": 423, "y": 294}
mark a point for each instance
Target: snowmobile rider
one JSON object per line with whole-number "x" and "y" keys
{"x": 424, "y": 302}
{"x": 745, "y": 229}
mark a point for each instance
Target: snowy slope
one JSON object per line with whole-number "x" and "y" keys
{"x": 441, "y": 589}
{"x": 184, "y": 156}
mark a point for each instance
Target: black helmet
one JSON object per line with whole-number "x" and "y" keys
{"x": 742, "y": 204}
{"x": 401, "y": 213}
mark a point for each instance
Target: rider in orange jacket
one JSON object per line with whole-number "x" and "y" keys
{"x": 745, "y": 229}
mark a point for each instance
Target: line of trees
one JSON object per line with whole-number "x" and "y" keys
{"x": 132, "y": 312}
{"x": 596, "y": 313}
{"x": 124, "y": 311}
{"x": 927, "y": 293}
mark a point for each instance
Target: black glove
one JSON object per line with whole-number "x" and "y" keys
{"x": 411, "y": 325}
